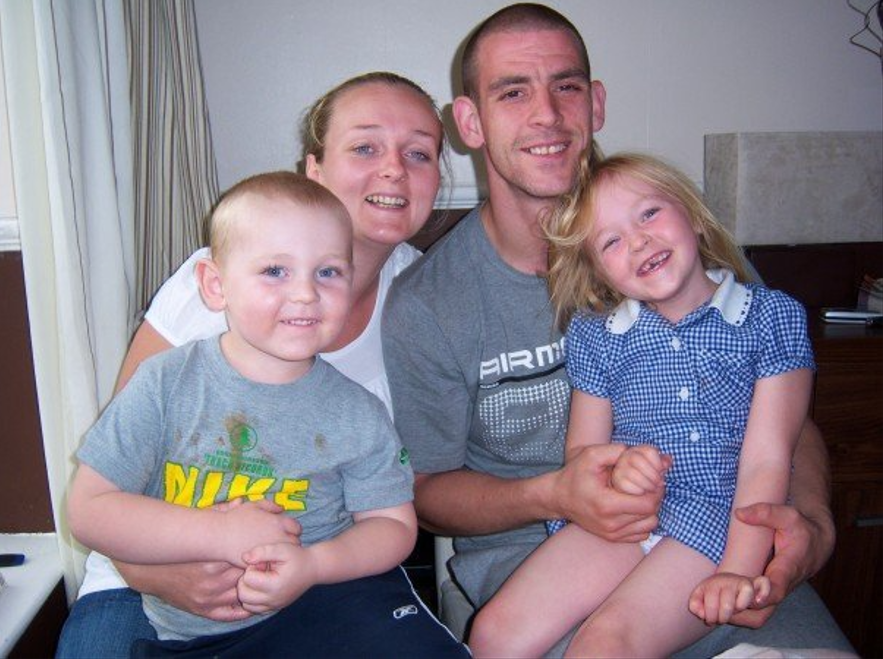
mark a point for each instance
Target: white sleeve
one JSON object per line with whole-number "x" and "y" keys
{"x": 177, "y": 311}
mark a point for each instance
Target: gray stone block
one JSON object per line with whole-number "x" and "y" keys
{"x": 796, "y": 187}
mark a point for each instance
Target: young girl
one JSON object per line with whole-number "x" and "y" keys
{"x": 705, "y": 381}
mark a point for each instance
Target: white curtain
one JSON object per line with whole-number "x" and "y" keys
{"x": 65, "y": 66}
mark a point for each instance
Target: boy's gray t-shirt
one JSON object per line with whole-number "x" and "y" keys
{"x": 476, "y": 372}
{"x": 190, "y": 429}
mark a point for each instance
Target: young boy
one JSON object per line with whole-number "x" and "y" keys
{"x": 253, "y": 415}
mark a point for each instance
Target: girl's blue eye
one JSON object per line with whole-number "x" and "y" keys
{"x": 274, "y": 271}
{"x": 324, "y": 273}
{"x": 649, "y": 213}
{"x": 609, "y": 243}
{"x": 363, "y": 149}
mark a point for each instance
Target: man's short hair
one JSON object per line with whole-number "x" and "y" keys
{"x": 522, "y": 17}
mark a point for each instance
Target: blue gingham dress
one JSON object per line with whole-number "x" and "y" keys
{"x": 686, "y": 389}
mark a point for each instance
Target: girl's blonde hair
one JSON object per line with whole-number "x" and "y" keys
{"x": 575, "y": 279}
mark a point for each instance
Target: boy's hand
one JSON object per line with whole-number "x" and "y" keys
{"x": 640, "y": 470}
{"x": 719, "y": 597}
{"x": 277, "y": 574}
{"x": 255, "y": 523}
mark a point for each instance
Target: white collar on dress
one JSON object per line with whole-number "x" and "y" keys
{"x": 731, "y": 298}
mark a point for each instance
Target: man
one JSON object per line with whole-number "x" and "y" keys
{"x": 476, "y": 365}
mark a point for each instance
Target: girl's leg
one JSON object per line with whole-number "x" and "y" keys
{"x": 647, "y": 615}
{"x": 555, "y": 588}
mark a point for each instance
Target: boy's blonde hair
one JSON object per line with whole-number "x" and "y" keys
{"x": 232, "y": 208}
{"x": 575, "y": 279}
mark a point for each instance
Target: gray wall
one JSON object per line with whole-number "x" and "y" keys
{"x": 674, "y": 69}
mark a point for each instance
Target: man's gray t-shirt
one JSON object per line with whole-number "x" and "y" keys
{"x": 476, "y": 372}
{"x": 452, "y": 324}
{"x": 189, "y": 429}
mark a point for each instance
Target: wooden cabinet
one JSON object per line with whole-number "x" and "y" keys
{"x": 848, "y": 407}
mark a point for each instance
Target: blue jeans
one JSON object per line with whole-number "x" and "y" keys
{"x": 103, "y": 625}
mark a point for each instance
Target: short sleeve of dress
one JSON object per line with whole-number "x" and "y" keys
{"x": 177, "y": 311}
{"x": 587, "y": 355}
{"x": 785, "y": 338}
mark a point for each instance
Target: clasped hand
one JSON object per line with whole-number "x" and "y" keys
{"x": 266, "y": 543}
{"x": 589, "y": 498}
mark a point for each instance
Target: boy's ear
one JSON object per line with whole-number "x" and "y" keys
{"x": 468, "y": 122}
{"x": 211, "y": 288}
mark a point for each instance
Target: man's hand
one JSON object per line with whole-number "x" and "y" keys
{"x": 801, "y": 546}
{"x": 586, "y": 498}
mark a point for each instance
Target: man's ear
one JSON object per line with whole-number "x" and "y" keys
{"x": 208, "y": 276}
{"x": 468, "y": 122}
{"x": 599, "y": 102}
{"x": 312, "y": 169}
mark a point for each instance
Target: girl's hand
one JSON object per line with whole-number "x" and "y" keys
{"x": 801, "y": 546}
{"x": 719, "y": 597}
{"x": 277, "y": 574}
{"x": 640, "y": 470}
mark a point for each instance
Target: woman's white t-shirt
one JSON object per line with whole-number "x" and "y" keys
{"x": 179, "y": 315}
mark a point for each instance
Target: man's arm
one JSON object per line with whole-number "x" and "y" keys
{"x": 463, "y": 502}
{"x": 804, "y": 532}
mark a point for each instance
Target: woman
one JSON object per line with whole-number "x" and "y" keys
{"x": 376, "y": 141}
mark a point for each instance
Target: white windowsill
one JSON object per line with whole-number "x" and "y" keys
{"x": 28, "y": 585}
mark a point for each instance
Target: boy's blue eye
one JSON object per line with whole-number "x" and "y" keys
{"x": 324, "y": 273}
{"x": 420, "y": 155}
{"x": 274, "y": 271}
{"x": 363, "y": 149}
